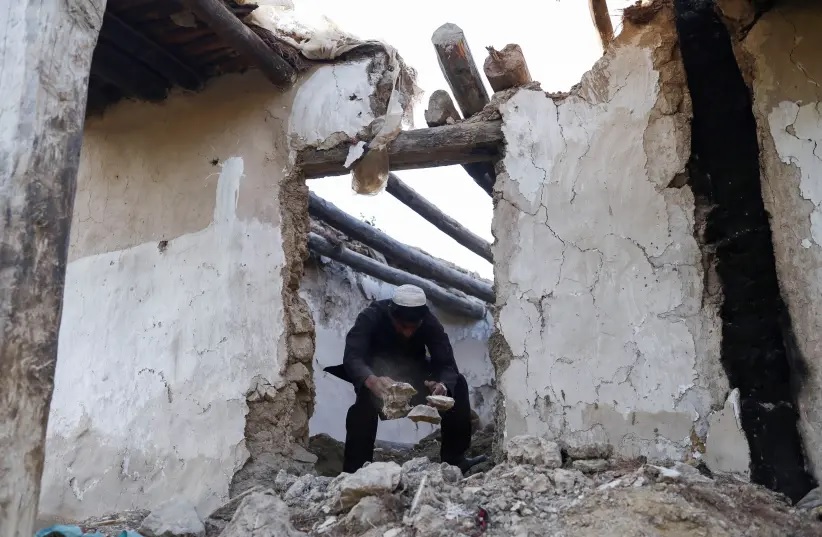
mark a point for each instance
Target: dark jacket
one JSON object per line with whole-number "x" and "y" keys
{"x": 373, "y": 335}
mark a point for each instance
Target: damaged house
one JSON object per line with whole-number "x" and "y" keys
{"x": 656, "y": 261}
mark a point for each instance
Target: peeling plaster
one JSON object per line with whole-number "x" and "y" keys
{"x": 785, "y": 72}
{"x": 609, "y": 336}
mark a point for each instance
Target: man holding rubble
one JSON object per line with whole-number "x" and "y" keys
{"x": 400, "y": 340}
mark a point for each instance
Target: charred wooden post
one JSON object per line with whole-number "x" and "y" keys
{"x": 138, "y": 45}
{"x": 45, "y": 63}
{"x": 414, "y": 201}
{"x": 441, "y": 111}
{"x": 424, "y": 265}
{"x": 602, "y": 21}
{"x": 439, "y": 296}
{"x": 219, "y": 18}
{"x": 506, "y": 68}
{"x": 459, "y": 69}
{"x": 419, "y": 148}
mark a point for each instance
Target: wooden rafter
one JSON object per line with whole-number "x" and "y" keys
{"x": 439, "y": 296}
{"x": 420, "y": 148}
{"x": 602, "y": 21}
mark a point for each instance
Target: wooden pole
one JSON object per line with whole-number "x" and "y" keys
{"x": 460, "y": 70}
{"x": 414, "y": 201}
{"x": 422, "y": 264}
{"x": 149, "y": 52}
{"x": 602, "y": 21}
{"x": 441, "y": 111}
{"x": 506, "y": 68}
{"x": 241, "y": 38}
{"x": 419, "y": 148}
{"x": 45, "y": 61}
{"x": 366, "y": 265}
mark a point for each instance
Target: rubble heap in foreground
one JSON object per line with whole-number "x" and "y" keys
{"x": 536, "y": 492}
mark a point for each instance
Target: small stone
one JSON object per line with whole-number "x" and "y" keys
{"x": 396, "y": 399}
{"x": 261, "y": 514}
{"x": 424, "y": 413}
{"x": 375, "y": 479}
{"x": 283, "y": 481}
{"x": 176, "y": 518}
{"x": 534, "y": 450}
{"x": 440, "y": 402}
{"x": 369, "y": 512}
{"x": 567, "y": 480}
{"x": 590, "y": 466}
{"x": 301, "y": 454}
{"x": 811, "y": 500}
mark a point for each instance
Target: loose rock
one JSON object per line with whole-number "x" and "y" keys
{"x": 424, "y": 413}
{"x": 396, "y": 399}
{"x": 590, "y": 466}
{"x": 440, "y": 402}
{"x": 176, "y": 518}
{"x": 374, "y": 479}
{"x": 534, "y": 450}
{"x": 261, "y": 514}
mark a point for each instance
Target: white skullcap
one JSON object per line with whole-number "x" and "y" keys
{"x": 409, "y": 296}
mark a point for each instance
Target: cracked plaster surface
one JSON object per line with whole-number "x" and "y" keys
{"x": 599, "y": 276}
{"x": 785, "y": 73}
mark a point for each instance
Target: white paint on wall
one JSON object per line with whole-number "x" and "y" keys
{"x": 599, "y": 275}
{"x": 336, "y": 295}
{"x": 157, "y": 351}
{"x": 333, "y": 104}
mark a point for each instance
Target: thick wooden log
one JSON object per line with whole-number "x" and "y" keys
{"x": 602, "y": 21}
{"x": 436, "y": 294}
{"x": 133, "y": 78}
{"x": 216, "y": 15}
{"x": 45, "y": 60}
{"x": 422, "y": 264}
{"x": 506, "y": 68}
{"x": 441, "y": 111}
{"x": 149, "y": 52}
{"x": 420, "y": 148}
{"x": 460, "y": 70}
{"x": 407, "y": 195}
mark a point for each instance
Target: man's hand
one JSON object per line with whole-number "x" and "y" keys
{"x": 378, "y": 385}
{"x": 436, "y": 388}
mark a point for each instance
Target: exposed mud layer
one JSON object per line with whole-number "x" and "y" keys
{"x": 724, "y": 175}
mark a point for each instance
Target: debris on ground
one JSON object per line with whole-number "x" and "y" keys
{"x": 396, "y": 399}
{"x": 533, "y": 493}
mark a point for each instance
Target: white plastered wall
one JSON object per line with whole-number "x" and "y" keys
{"x": 173, "y": 308}
{"x": 336, "y": 295}
{"x": 599, "y": 275}
{"x": 782, "y": 52}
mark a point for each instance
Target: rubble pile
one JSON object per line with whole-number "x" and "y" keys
{"x": 539, "y": 490}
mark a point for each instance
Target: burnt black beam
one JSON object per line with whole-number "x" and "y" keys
{"x": 758, "y": 352}
{"x": 133, "y": 78}
{"x": 150, "y": 53}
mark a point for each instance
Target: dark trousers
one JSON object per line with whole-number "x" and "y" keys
{"x": 363, "y": 417}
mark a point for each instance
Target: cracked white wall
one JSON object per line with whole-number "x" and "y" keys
{"x": 783, "y": 53}
{"x": 600, "y": 278}
{"x": 336, "y": 296}
{"x": 173, "y": 306}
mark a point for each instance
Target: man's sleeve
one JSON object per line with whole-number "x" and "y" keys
{"x": 357, "y": 347}
{"x": 442, "y": 355}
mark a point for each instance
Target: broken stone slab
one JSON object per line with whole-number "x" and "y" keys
{"x": 424, "y": 413}
{"x": 261, "y": 514}
{"x": 592, "y": 450}
{"x": 395, "y": 401}
{"x": 219, "y": 519}
{"x": 371, "y": 480}
{"x": 440, "y": 402}
{"x": 590, "y": 466}
{"x": 175, "y": 518}
{"x": 812, "y": 501}
{"x": 370, "y": 512}
{"x": 534, "y": 450}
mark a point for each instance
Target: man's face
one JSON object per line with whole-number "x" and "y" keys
{"x": 405, "y": 329}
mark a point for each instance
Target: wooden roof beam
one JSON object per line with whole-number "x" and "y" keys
{"x": 420, "y": 148}
{"x": 130, "y": 76}
{"x": 217, "y": 16}
{"x": 147, "y": 51}
{"x": 436, "y": 294}
{"x": 602, "y": 21}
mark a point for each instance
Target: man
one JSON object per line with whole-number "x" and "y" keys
{"x": 388, "y": 344}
